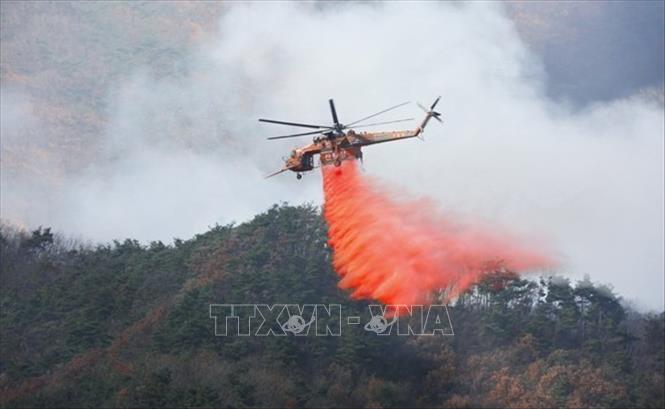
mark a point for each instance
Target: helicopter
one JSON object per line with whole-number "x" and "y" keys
{"x": 339, "y": 142}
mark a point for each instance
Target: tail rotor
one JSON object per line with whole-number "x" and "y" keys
{"x": 431, "y": 113}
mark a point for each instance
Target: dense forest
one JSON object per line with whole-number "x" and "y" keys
{"x": 127, "y": 325}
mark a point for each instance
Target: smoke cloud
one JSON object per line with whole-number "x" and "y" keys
{"x": 180, "y": 153}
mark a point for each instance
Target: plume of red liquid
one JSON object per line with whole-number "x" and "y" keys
{"x": 398, "y": 253}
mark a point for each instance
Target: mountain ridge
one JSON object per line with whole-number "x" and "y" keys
{"x": 128, "y": 325}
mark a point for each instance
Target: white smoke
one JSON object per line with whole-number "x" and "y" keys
{"x": 182, "y": 154}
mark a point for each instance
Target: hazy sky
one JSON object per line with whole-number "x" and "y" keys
{"x": 575, "y": 164}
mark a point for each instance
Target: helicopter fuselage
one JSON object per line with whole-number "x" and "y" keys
{"x": 335, "y": 149}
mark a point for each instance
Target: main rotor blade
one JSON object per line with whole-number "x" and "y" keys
{"x": 277, "y": 173}
{"x": 297, "y": 134}
{"x": 378, "y": 113}
{"x": 272, "y": 121}
{"x": 384, "y": 123}
{"x": 334, "y": 112}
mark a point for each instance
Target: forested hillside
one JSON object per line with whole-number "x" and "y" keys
{"x": 127, "y": 325}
